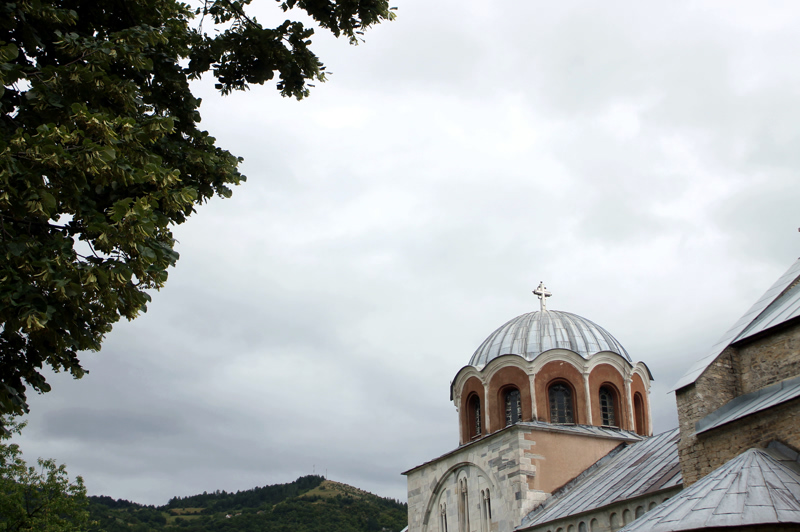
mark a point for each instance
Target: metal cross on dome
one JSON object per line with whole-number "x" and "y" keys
{"x": 543, "y": 293}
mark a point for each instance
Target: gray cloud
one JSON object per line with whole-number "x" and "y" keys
{"x": 638, "y": 159}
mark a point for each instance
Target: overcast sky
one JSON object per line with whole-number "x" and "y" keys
{"x": 640, "y": 159}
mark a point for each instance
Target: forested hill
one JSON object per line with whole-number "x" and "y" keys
{"x": 309, "y": 504}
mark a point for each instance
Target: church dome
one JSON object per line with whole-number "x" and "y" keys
{"x": 534, "y": 333}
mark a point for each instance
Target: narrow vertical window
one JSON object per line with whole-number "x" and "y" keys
{"x": 560, "y": 404}
{"x": 607, "y": 407}
{"x": 474, "y": 416}
{"x": 443, "y": 517}
{"x": 638, "y": 414}
{"x": 484, "y": 516}
{"x": 464, "y": 507}
{"x": 513, "y": 407}
{"x": 486, "y": 511}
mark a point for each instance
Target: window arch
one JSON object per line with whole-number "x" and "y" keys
{"x": 513, "y": 406}
{"x": 474, "y": 416}
{"x": 608, "y": 402}
{"x": 561, "y": 407}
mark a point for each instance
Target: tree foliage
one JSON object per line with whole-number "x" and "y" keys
{"x": 101, "y": 154}
{"x": 38, "y": 498}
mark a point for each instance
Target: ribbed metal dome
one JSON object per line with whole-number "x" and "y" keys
{"x": 534, "y": 333}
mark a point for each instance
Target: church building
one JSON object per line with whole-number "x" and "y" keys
{"x": 555, "y": 432}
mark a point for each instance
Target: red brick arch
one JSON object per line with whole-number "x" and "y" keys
{"x": 609, "y": 376}
{"x": 504, "y": 379}
{"x": 552, "y": 372}
{"x": 641, "y": 417}
{"x": 472, "y": 388}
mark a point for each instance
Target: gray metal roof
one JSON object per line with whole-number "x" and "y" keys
{"x": 534, "y": 333}
{"x": 744, "y": 405}
{"x": 640, "y": 468}
{"x": 773, "y": 308}
{"x": 583, "y": 430}
{"x": 758, "y": 487}
{"x": 784, "y": 308}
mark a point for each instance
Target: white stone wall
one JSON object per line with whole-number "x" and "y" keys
{"x": 495, "y": 463}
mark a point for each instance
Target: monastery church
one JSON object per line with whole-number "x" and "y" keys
{"x": 555, "y": 432}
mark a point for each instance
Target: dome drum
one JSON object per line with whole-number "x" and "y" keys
{"x": 553, "y": 367}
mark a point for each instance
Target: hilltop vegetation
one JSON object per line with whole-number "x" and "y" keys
{"x": 309, "y": 504}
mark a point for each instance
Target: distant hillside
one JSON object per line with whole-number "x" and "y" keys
{"x": 309, "y": 504}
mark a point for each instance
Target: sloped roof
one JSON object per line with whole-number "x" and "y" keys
{"x": 640, "y": 468}
{"x": 744, "y": 405}
{"x": 758, "y": 487}
{"x": 778, "y": 304}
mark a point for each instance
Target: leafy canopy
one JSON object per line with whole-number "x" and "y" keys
{"x": 40, "y": 498}
{"x": 100, "y": 154}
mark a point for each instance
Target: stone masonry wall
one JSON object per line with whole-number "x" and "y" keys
{"x": 715, "y": 387}
{"x": 492, "y": 463}
{"x": 709, "y": 450}
{"x": 736, "y": 371}
{"x": 769, "y": 360}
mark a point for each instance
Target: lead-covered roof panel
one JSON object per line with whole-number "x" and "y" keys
{"x": 778, "y": 304}
{"x": 534, "y": 333}
{"x": 644, "y": 467}
{"x": 751, "y": 403}
{"x": 758, "y": 487}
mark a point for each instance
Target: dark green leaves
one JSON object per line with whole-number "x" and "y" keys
{"x": 100, "y": 155}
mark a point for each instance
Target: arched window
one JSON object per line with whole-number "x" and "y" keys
{"x": 607, "y": 401}
{"x": 513, "y": 407}
{"x": 474, "y": 416}
{"x": 443, "y": 517}
{"x": 463, "y": 507}
{"x": 638, "y": 414}
{"x": 486, "y": 510}
{"x": 639, "y": 512}
{"x": 560, "y": 403}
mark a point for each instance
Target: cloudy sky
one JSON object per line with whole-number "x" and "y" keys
{"x": 640, "y": 159}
